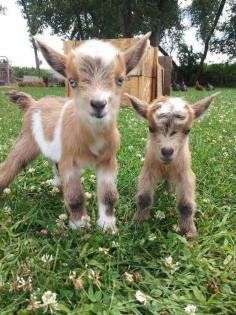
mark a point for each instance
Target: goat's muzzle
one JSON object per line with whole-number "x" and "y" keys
{"x": 98, "y": 107}
{"x": 167, "y": 154}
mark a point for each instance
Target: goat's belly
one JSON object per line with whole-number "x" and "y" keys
{"x": 50, "y": 149}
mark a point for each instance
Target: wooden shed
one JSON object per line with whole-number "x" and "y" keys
{"x": 146, "y": 81}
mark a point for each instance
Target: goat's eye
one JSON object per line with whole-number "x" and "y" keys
{"x": 173, "y": 133}
{"x": 187, "y": 131}
{"x": 120, "y": 81}
{"x": 73, "y": 83}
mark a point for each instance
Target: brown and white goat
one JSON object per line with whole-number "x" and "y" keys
{"x": 80, "y": 132}
{"x": 167, "y": 155}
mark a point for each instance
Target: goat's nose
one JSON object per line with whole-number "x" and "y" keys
{"x": 98, "y": 104}
{"x": 167, "y": 152}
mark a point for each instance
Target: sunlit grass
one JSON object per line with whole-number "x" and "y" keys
{"x": 88, "y": 278}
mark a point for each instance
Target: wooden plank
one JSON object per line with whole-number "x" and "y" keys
{"x": 166, "y": 63}
{"x": 145, "y": 88}
{"x": 160, "y": 83}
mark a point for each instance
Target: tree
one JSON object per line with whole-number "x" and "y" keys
{"x": 188, "y": 61}
{"x": 33, "y": 27}
{"x": 225, "y": 39}
{"x": 205, "y": 15}
{"x": 84, "y": 19}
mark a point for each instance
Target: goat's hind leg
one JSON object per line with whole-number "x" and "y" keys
{"x": 24, "y": 151}
{"x": 146, "y": 186}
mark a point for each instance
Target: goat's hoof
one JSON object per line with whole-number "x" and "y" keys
{"x": 190, "y": 232}
{"x": 141, "y": 216}
{"x": 84, "y": 222}
{"x": 108, "y": 224}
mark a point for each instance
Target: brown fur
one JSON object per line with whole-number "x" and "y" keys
{"x": 84, "y": 140}
{"x": 176, "y": 170}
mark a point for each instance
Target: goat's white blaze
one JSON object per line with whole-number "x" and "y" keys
{"x": 172, "y": 105}
{"x": 97, "y": 49}
{"x": 50, "y": 149}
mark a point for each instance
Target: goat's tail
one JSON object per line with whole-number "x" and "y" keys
{"x": 23, "y": 100}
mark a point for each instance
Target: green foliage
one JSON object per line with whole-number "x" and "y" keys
{"x": 104, "y": 19}
{"x": 225, "y": 38}
{"x": 188, "y": 61}
{"x": 206, "y": 274}
{"x": 202, "y": 14}
{"x": 21, "y": 71}
{"x": 219, "y": 74}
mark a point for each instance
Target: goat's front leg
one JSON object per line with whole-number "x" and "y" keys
{"x": 107, "y": 195}
{"x": 146, "y": 186}
{"x": 74, "y": 196}
{"x": 185, "y": 189}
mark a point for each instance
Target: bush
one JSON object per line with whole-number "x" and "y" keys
{"x": 21, "y": 71}
{"x": 219, "y": 74}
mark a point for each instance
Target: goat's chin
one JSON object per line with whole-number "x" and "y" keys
{"x": 166, "y": 161}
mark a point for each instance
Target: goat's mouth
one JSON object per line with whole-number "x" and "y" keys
{"x": 98, "y": 115}
{"x": 166, "y": 160}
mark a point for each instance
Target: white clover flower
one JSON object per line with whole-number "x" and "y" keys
{"x": 55, "y": 190}
{"x": 114, "y": 244}
{"x": 63, "y": 216}
{"x": 130, "y": 147}
{"x": 23, "y": 284}
{"x": 7, "y": 191}
{"x": 139, "y": 155}
{"x": 172, "y": 266}
{"x": 128, "y": 277}
{"x": 7, "y": 210}
{"x": 141, "y": 297}
{"x": 190, "y": 309}
{"x": 45, "y": 163}
{"x": 49, "y": 301}
{"x": 46, "y": 259}
{"x": 103, "y": 250}
{"x": 168, "y": 261}
{"x": 49, "y": 182}
{"x": 152, "y": 237}
{"x": 31, "y": 170}
{"x": 160, "y": 215}
{"x": 92, "y": 178}
{"x": 88, "y": 195}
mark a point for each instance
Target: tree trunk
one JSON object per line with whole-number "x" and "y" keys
{"x": 37, "y": 63}
{"x": 156, "y": 35}
{"x": 36, "y": 57}
{"x": 208, "y": 38}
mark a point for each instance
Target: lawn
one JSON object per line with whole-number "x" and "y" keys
{"x": 141, "y": 270}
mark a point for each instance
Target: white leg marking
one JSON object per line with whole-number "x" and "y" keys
{"x": 56, "y": 181}
{"x": 106, "y": 222}
{"x": 84, "y": 222}
{"x": 51, "y": 149}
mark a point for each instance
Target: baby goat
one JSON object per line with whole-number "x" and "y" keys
{"x": 80, "y": 132}
{"x": 167, "y": 155}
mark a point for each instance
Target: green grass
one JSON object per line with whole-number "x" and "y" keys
{"x": 206, "y": 276}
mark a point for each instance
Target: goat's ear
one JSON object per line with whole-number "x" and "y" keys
{"x": 135, "y": 53}
{"x": 56, "y": 60}
{"x": 140, "y": 106}
{"x": 201, "y": 106}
